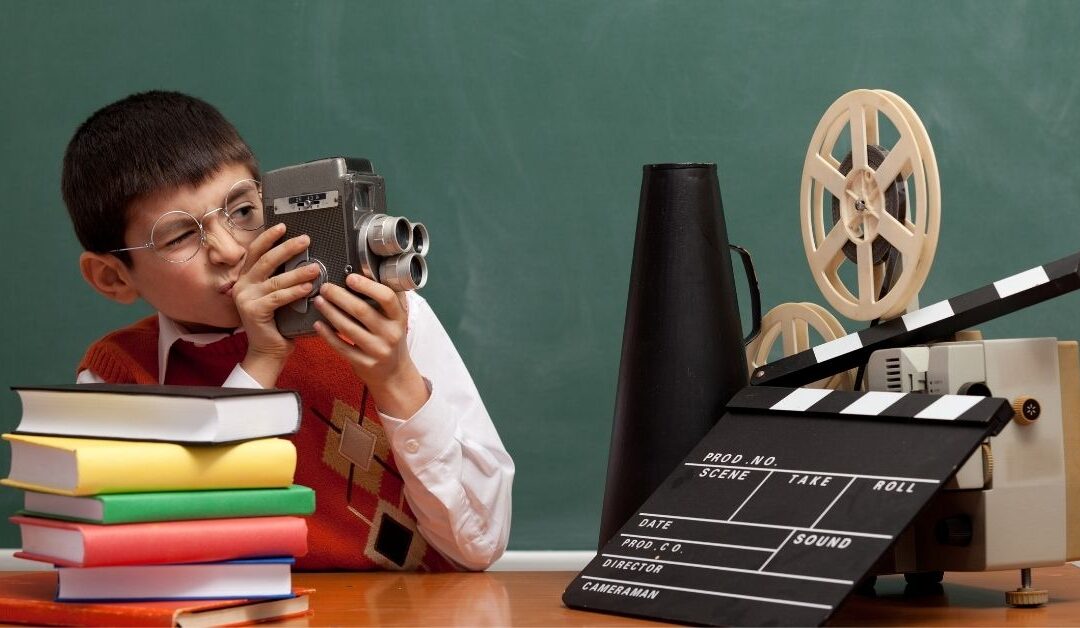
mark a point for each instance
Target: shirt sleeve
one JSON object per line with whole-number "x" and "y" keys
{"x": 86, "y": 376}
{"x": 457, "y": 473}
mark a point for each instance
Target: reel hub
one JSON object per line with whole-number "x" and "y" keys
{"x": 856, "y": 210}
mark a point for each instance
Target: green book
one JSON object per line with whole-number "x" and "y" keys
{"x": 172, "y": 505}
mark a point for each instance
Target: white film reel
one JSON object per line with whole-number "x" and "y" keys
{"x": 861, "y": 196}
{"x": 790, "y": 323}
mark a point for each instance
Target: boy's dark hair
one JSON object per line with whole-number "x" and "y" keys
{"x": 137, "y": 146}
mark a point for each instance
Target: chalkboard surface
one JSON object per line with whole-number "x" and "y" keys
{"x": 516, "y": 131}
{"x": 783, "y": 507}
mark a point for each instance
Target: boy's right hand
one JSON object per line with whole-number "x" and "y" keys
{"x": 258, "y": 293}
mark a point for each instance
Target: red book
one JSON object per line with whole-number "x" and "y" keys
{"x": 28, "y": 599}
{"x": 72, "y": 544}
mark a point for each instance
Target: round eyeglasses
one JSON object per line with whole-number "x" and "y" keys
{"x": 177, "y": 236}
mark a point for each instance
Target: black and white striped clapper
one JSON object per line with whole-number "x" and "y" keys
{"x": 932, "y": 323}
{"x": 784, "y": 506}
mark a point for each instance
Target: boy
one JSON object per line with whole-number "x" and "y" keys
{"x": 408, "y": 469}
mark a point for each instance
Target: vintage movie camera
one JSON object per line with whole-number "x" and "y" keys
{"x": 341, "y": 204}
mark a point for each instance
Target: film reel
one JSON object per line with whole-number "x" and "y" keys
{"x": 864, "y": 196}
{"x": 790, "y": 324}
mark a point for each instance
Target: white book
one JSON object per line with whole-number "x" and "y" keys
{"x": 182, "y": 414}
{"x": 256, "y": 578}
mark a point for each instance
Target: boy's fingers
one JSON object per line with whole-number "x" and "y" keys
{"x": 261, "y": 244}
{"x": 268, "y": 262}
{"x": 330, "y": 335}
{"x": 340, "y": 319}
{"x": 273, "y": 300}
{"x": 343, "y": 323}
{"x": 381, "y": 294}
{"x": 357, "y": 308}
{"x": 306, "y": 273}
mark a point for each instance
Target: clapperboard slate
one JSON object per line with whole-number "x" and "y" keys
{"x": 931, "y": 323}
{"x": 784, "y": 506}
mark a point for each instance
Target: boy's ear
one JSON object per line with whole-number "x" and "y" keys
{"x": 109, "y": 276}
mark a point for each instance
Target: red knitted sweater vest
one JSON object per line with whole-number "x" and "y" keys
{"x": 362, "y": 520}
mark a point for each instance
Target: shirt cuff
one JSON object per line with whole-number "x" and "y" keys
{"x": 425, "y": 435}
{"x": 239, "y": 378}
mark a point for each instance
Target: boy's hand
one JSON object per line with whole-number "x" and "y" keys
{"x": 372, "y": 339}
{"x": 257, "y": 295}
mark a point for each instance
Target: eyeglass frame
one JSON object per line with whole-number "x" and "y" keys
{"x": 199, "y": 222}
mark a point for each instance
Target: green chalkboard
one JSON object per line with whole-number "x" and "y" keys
{"x": 516, "y": 130}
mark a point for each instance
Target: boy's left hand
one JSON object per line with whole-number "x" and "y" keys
{"x": 372, "y": 339}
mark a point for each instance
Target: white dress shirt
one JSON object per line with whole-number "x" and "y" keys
{"x": 457, "y": 473}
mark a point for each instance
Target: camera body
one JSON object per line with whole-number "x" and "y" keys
{"x": 341, "y": 204}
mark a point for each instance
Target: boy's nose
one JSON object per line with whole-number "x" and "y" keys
{"x": 222, "y": 246}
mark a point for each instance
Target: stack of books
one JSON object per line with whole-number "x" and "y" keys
{"x": 161, "y": 492}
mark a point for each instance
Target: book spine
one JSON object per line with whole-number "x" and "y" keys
{"x": 60, "y": 614}
{"x": 146, "y": 467}
{"x": 264, "y": 579}
{"x": 174, "y": 506}
{"x": 200, "y": 541}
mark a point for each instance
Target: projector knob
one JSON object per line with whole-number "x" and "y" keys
{"x": 1026, "y": 410}
{"x": 988, "y": 465}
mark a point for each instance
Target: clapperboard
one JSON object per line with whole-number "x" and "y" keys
{"x": 787, "y": 503}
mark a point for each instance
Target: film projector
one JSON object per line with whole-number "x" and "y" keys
{"x": 870, "y": 210}
{"x": 911, "y": 446}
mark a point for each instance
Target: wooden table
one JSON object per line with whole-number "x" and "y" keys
{"x": 521, "y": 598}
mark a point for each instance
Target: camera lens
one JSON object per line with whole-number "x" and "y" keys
{"x": 420, "y": 239}
{"x": 418, "y": 271}
{"x": 404, "y": 272}
{"x": 403, "y": 233}
{"x": 389, "y": 235}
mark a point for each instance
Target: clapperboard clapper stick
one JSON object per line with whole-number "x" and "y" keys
{"x": 933, "y": 322}
{"x": 784, "y": 506}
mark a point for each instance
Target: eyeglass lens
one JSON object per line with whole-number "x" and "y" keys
{"x": 243, "y": 205}
{"x": 177, "y": 235}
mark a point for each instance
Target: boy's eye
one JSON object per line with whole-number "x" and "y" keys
{"x": 246, "y": 215}
{"x": 176, "y": 240}
{"x": 240, "y": 212}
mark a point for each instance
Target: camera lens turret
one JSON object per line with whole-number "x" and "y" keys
{"x": 389, "y": 235}
{"x": 404, "y": 272}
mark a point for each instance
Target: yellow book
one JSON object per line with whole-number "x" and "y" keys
{"x": 86, "y": 466}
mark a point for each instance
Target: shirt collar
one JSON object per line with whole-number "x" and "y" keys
{"x": 169, "y": 331}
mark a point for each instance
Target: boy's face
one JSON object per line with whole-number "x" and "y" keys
{"x": 196, "y": 293}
